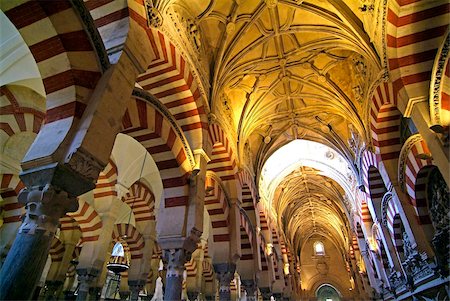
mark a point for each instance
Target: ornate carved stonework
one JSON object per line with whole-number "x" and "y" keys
{"x": 439, "y": 203}
{"x": 224, "y": 273}
{"x": 384, "y": 207}
{"x": 85, "y": 165}
{"x": 175, "y": 260}
{"x": 416, "y": 264}
{"x": 154, "y": 17}
{"x": 436, "y": 80}
{"x": 44, "y": 206}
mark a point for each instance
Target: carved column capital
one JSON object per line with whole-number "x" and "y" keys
{"x": 249, "y": 286}
{"x": 175, "y": 259}
{"x": 45, "y": 205}
{"x": 224, "y": 273}
{"x": 86, "y": 277}
{"x": 135, "y": 287}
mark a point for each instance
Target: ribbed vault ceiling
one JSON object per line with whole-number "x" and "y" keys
{"x": 282, "y": 70}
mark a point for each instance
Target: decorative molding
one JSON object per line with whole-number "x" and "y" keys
{"x": 85, "y": 165}
{"x": 411, "y": 103}
{"x": 436, "y": 80}
{"x": 92, "y": 32}
{"x": 155, "y": 103}
{"x": 406, "y": 148}
{"x": 44, "y": 205}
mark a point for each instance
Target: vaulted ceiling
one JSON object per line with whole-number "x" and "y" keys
{"x": 282, "y": 70}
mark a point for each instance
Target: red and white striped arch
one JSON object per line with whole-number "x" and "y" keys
{"x": 415, "y": 30}
{"x": 246, "y": 238}
{"x": 216, "y": 204}
{"x": 57, "y": 250}
{"x": 223, "y": 161}
{"x": 111, "y": 18}
{"x": 149, "y": 127}
{"x": 68, "y": 223}
{"x": 142, "y": 202}
{"x": 377, "y": 189}
{"x": 132, "y": 237}
{"x": 16, "y": 118}
{"x": 246, "y": 182}
{"x": 208, "y": 271}
{"x": 88, "y": 220}
{"x": 170, "y": 79}
{"x": 410, "y": 179}
{"x": 11, "y": 210}
{"x": 105, "y": 188}
{"x": 63, "y": 52}
{"x": 385, "y": 121}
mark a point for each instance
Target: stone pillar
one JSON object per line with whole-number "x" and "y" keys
{"x": 135, "y": 287}
{"x": 175, "y": 258}
{"x": 224, "y": 274}
{"x": 266, "y": 293}
{"x": 124, "y": 295}
{"x": 23, "y": 266}
{"x": 250, "y": 289}
{"x": 86, "y": 277}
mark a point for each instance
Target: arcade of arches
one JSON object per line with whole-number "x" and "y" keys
{"x": 224, "y": 149}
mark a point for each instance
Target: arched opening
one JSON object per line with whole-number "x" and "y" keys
{"x": 327, "y": 292}
{"x": 319, "y": 249}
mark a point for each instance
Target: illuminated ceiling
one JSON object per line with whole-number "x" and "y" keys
{"x": 282, "y": 70}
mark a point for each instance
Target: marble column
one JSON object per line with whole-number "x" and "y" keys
{"x": 224, "y": 274}
{"x": 23, "y": 266}
{"x": 175, "y": 259}
{"x": 250, "y": 289}
{"x": 135, "y": 287}
{"x": 86, "y": 277}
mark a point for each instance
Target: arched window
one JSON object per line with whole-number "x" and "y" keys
{"x": 319, "y": 249}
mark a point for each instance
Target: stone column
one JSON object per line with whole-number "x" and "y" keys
{"x": 135, "y": 287}
{"x": 250, "y": 289}
{"x": 266, "y": 293}
{"x": 224, "y": 274}
{"x": 86, "y": 277}
{"x": 23, "y": 266}
{"x": 175, "y": 258}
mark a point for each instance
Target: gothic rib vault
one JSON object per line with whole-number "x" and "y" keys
{"x": 258, "y": 148}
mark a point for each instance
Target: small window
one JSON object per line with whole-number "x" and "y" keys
{"x": 319, "y": 248}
